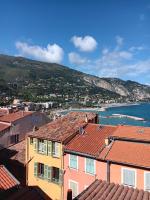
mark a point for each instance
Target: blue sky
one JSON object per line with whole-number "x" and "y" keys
{"x": 107, "y": 38}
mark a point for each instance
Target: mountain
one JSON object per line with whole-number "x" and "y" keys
{"x": 23, "y": 77}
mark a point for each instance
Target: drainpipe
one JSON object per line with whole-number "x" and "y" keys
{"x": 108, "y": 171}
{"x": 69, "y": 194}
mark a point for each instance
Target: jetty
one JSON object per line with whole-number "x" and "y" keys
{"x": 128, "y": 116}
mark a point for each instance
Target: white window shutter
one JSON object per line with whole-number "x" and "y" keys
{"x": 61, "y": 176}
{"x": 45, "y": 147}
{"x": 35, "y": 142}
{"x": 49, "y": 148}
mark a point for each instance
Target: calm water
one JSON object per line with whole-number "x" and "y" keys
{"x": 141, "y": 110}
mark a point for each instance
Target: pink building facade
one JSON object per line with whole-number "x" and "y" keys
{"x": 78, "y": 178}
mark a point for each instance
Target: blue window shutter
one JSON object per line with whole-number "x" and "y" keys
{"x": 147, "y": 181}
{"x": 73, "y": 161}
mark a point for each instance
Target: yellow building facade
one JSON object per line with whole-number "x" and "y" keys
{"x": 44, "y": 160}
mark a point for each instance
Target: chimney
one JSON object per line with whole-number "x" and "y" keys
{"x": 69, "y": 194}
{"x": 106, "y": 141}
{"x": 86, "y": 118}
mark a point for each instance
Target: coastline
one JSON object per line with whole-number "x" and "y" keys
{"x": 102, "y": 108}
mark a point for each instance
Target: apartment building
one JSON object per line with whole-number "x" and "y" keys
{"x": 45, "y": 152}
{"x": 81, "y": 163}
{"x": 128, "y": 157}
{"x": 15, "y": 126}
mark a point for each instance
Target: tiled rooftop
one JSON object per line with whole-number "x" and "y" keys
{"x": 12, "y": 117}
{"x": 63, "y": 128}
{"x": 132, "y": 133}
{"x": 91, "y": 141}
{"x": 102, "y": 190}
{"x": 19, "y": 148}
{"x": 7, "y": 180}
{"x": 29, "y": 193}
{"x": 3, "y": 126}
{"x": 132, "y": 153}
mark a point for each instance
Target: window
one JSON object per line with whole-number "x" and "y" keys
{"x": 31, "y": 141}
{"x": 73, "y": 161}
{"x": 42, "y": 146}
{"x": 89, "y": 166}
{"x": 51, "y": 174}
{"x": 55, "y": 174}
{"x": 14, "y": 139}
{"x": 128, "y": 177}
{"x": 74, "y": 187}
{"x": 40, "y": 170}
{"x": 147, "y": 181}
{"x": 55, "y": 149}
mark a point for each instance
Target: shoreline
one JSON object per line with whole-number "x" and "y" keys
{"x": 103, "y": 107}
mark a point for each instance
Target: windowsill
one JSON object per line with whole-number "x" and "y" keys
{"x": 55, "y": 156}
{"x": 75, "y": 169}
{"x": 42, "y": 153}
{"x": 40, "y": 176}
{"x": 90, "y": 174}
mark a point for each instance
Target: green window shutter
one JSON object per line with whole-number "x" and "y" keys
{"x": 49, "y": 148}
{"x": 45, "y": 147}
{"x": 45, "y": 172}
{"x": 35, "y": 142}
{"x": 49, "y": 173}
{"x": 61, "y": 176}
{"x": 35, "y": 169}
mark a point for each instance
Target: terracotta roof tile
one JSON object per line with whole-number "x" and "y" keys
{"x": 63, "y": 128}
{"x": 133, "y": 153}
{"x": 20, "y": 151}
{"x": 132, "y": 133}
{"x": 100, "y": 190}
{"x": 12, "y": 117}
{"x": 7, "y": 180}
{"x": 92, "y": 140}
{"x": 14, "y": 152}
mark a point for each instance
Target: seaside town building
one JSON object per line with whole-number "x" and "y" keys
{"x": 15, "y": 126}
{"x": 73, "y": 152}
{"x": 45, "y": 149}
{"x": 81, "y": 163}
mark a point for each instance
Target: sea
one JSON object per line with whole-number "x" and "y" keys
{"x": 140, "y": 110}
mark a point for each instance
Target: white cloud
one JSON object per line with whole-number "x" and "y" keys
{"x": 136, "y": 48}
{"x": 87, "y": 43}
{"x": 116, "y": 62}
{"x": 76, "y": 59}
{"x": 52, "y": 53}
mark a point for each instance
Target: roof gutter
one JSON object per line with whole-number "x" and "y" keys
{"x": 79, "y": 153}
